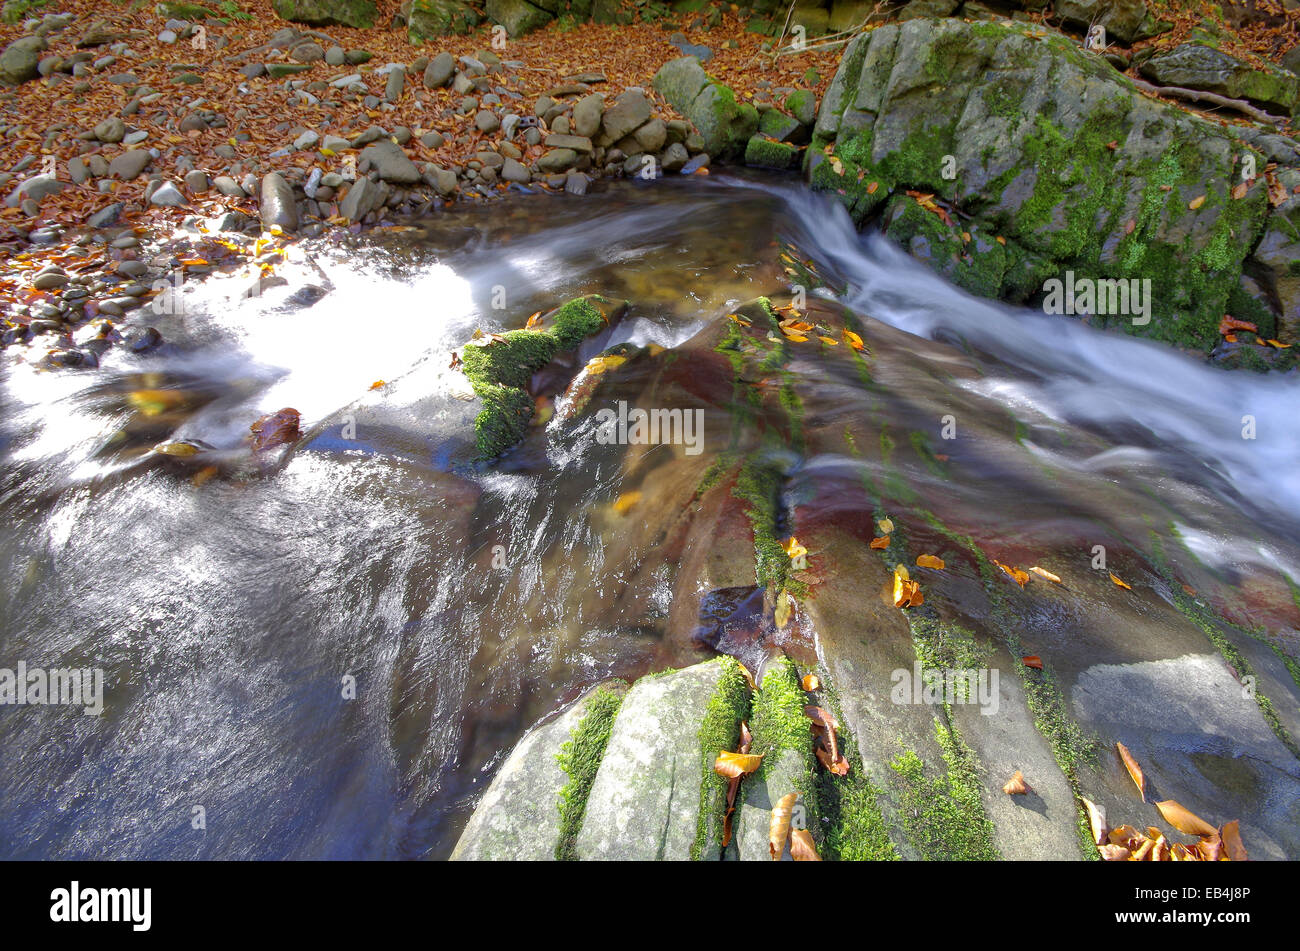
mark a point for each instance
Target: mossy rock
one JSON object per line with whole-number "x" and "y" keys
{"x": 725, "y": 125}
{"x": 430, "y": 19}
{"x": 517, "y": 16}
{"x": 358, "y": 14}
{"x": 192, "y": 12}
{"x": 499, "y": 369}
{"x": 761, "y": 152}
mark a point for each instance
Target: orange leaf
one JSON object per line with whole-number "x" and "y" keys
{"x": 871, "y": 189}
{"x": 1018, "y": 576}
{"x": 1196, "y": 202}
{"x": 802, "y": 848}
{"x": 930, "y": 561}
{"x": 1230, "y": 835}
{"x": 1016, "y": 785}
{"x": 1114, "y": 853}
{"x": 837, "y": 765}
{"x": 810, "y": 682}
{"x": 1183, "y": 820}
{"x": 778, "y": 829}
{"x": 1133, "y": 768}
{"x": 853, "y": 340}
{"x": 1044, "y": 573}
{"x": 733, "y": 765}
{"x": 1032, "y": 660}
{"x": 1118, "y": 581}
{"x": 1097, "y": 820}
{"x": 880, "y": 543}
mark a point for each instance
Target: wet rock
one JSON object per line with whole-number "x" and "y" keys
{"x": 363, "y": 197}
{"x": 277, "y": 206}
{"x": 576, "y": 183}
{"x": 517, "y": 818}
{"x": 141, "y": 339}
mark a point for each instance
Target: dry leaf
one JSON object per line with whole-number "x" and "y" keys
{"x": 810, "y": 682}
{"x": 1183, "y": 820}
{"x": 1114, "y": 853}
{"x": 802, "y": 848}
{"x": 880, "y": 543}
{"x": 886, "y": 526}
{"x": 1196, "y": 202}
{"x": 1016, "y": 575}
{"x": 735, "y": 765}
{"x": 1097, "y": 821}
{"x": 1118, "y": 581}
{"x": 853, "y": 340}
{"x": 784, "y": 607}
{"x": 778, "y": 829}
{"x": 625, "y": 502}
{"x": 1044, "y": 573}
{"x": 1134, "y": 770}
{"x": 1016, "y": 785}
{"x": 930, "y": 561}
{"x": 1032, "y": 660}
{"x": 1230, "y": 836}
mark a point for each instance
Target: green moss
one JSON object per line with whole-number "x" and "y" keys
{"x": 764, "y": 153}
{"x": 577, "y": 320}
{"x": 779, "y": 724}
{"x": 719, "y": 731}
{"x": 511, "y": 361}
{"x": 943, "y": 816}
{"x": 760, "y": 487}
{"x": 850, "y": 805}
{"x": 580, "y": 758}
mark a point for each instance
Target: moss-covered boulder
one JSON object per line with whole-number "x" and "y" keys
{"x": 518, "y": 16}
{"x": 1050, "y": 155}
{"x": 762, "y": 152}
{"x": 1199, "y": 66}
{"x": 724, "y": 124}
{"x": 1124, "y": 20}
{"x": 430, "y": 19}
{"x": 500, "y": 366}
{"x": 359, "y": 14}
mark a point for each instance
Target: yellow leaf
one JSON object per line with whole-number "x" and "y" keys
{"x": 778, "y": 829}
{"x": 732, "y": 765}
{"x": 829, "y": 341}
{"x": 1118, "y": 581}
{"x": 886, "y": 526}
{"x": 1134, "y": 770}
{"x": 1196, "y": 202}
{"x": 1044, "y": 573}
{"x": 853, "y": 340}
{"x": 793, "y": 549}
{"x": 624, "y": 503}
{"x": 930, "y": 561}
{"x": 802, "y": 848}
{"x": 1183, "y": 820}
{"x": 784, "y": 607}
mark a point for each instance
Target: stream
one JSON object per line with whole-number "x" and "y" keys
{"x": 228, "y": 608}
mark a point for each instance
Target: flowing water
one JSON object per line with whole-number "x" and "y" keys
{"x": 229, "y": 602}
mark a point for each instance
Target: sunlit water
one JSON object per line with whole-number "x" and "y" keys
{"x": 228, "y": 613}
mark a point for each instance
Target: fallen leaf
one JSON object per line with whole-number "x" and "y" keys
{"x": 1044, "y": 573}
{"x": 1114, "y": 853}
{"x": 784, "y": 607}
{"x": 734, "y": 765}
{"x": 793, "y": 549}
{"x": 1240, "y": 189}
{"x": 275, "y": 429}
{"x": 1118, "y": 581}
{"x": 1016, "y": 575}
{"x": 1196, "y": 202}
{"x": 810, "y": 682}
{"x": 853, "y": 340}
{"x": 1032, "y": 660}
{"x": 1096, "y": 820}
{"x": 1183, "y": 820}
{"x": 377, "y": 384}
{"x": 871, "y": 189}
{"x": 880, "y": 543}
{"x": 1016, "y": 785}
{"x": 1134, "y": 770}
{"x": 1230, "y": 835}
{"x": 802, "y": 848}
{"x": 625, "y": 502}
{"x": 930, "y": 561}
{"x": 829, "y": 341}
{"x": 886, "y": 526}
{"x": 778, "y": 829}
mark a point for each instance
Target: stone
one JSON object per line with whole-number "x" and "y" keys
{"x": 306, "y": 140}
{"x": 575, "y": 142}
{"x": 557, "y": 160}
{"x": 514, "y": 171}
{"x": 167, "y": 195}
{"x": 1125, "y": 20}
{"x": 626, "y": 114}
{"x": 725, "y": 125}
{"x": 277, "y": 207}
{"x": 587, "y": 113}
{"x": 645, "y": 801}
{"x": 486, "y": 121}
{"x": 391, "y": 163}
{"x": 517, "y": 16}
{"x": 439, "y": 71}
{"x": 358, "y": 14}
{"x": 106, "y": 217}
{"x": 429, "y": 19}
{"x": 35, "y": 188}
{"x": 394, "y": 86}
{"x": 20, "y": 60}
{"x": 129, "y": 164}
{"x": 1197, "y": 66}
{"x": 518, "y": 819}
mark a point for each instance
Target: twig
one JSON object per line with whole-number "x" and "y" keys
{"x": 1198, "y": 95}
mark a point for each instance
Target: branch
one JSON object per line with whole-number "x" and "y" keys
{"x": 1197, "y": 95}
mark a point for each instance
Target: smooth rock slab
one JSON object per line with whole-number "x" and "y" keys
{"x": 518, "y": 818}
{"x": 645, "y": 802}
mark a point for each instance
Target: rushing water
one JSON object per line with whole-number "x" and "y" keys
{"x": 227, "y": 611}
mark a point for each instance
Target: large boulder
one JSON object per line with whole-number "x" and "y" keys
{"x": 724, "y": 124}
{"x": 518, "y": 818}
{"x": 359, "y": 14}
{"x": 20, "y": 59}
{"x": 428, "y": 19}
{"x": 1197, "y": 66}
{"x": 1054, "y": 164}
{"x": 1125, "y": 20}
{"x": 517, "y": 16}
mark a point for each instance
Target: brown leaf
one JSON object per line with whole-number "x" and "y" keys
{"x": 1097, "y": 820}
{"x": 778, "y": 829}
{"x": 275, "y": 429}
{"x": 836, "y": 763}
{"x": 802, "y": 848}
{"x": 1016, "y": 785}
{"x": 1183, "y": 820}
{"x": 880, "y": 543}
{"x": 1114, "y": 853}
{"x": 733, "y": 765}
{"x": 1032, "y": 660}
{"x": 1230, "y": 835}
{"x": 1134, "y": 770}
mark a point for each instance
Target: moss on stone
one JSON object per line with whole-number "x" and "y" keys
{"x": 779, "y": 724}
{"x": 719, "y": 731}
{"x": 580, "y": 758}
{"x": 765, "y": 153}
{"x": 944, "y": 816}
{"x": 577, "y": 320}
